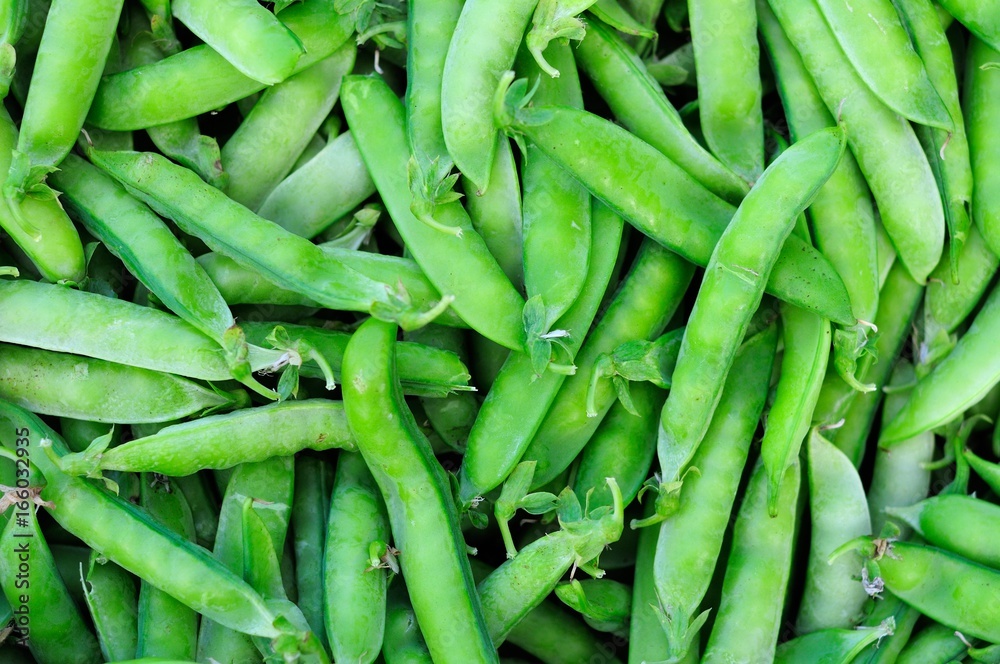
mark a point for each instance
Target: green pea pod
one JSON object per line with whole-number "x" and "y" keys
{"x": 887, "y": 150}
{"x": 948, "y": 304}
{"x": 604, "y": 604}
{"x": 638, "y": 101}
{"x": 838, "y": 512}
{"x": 166, "y": 628}
{"x": 935, "y": 644}
{"x": 982, "y": 83}
{"x": 939, "y": 518}
{"x": 807, "y": 348}
{"x": 111, "y": 597}
{"x": 461, "y": 266}
{"x": 199, "y": 80}
{"x": 224, "y": 441}
{"x": 958, "y": 382}
{"x": 424, "y": 523}
{"x": 732, "y": 290}
{"x": 351, "y": 579}
{"x": 834, "y": 645}
{"x": 518, "y": 400}
{"x": 304, "y": 203}
{"x": 988, "y": 472}
{"x": 87, "y": 389}
{"x": 690, "y": 539}
{"x": 759, "y": 566}
{"x": 280, "y": 125}
{"x": 941, "y": 585}
{"x": 482, "y": 48}
{"x": 724, "y": 35}
{"x": 614, "y": 15}
{"x": 404, "y": 644}
{"x": 204, "y": 507}
{"x": 647, "y": 638}
{"x": 327, "y": 276}
{"x": 310, "y": 509}
{"x": 979, "y": 16}
{"x": 46, "y": 612}
{"x": 670, "y": 207}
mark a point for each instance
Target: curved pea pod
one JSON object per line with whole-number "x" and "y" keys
{"x": 948, "y": 304}
{"x": 403, "y": 644}
{"x": 961, "y": 524}
{"x": 759, "y": 567}
{"x": 88, "y": 389}
{"x": 604, "y": 604}
{"x": 979, "y": 16}
{"x": 357, "y": 522}
{"x": 885, "y": 145}
{"x": 988, "y": 472}
{"x": 690, "y": 539}
{"x": 964, "y": 377}
{"x": 935, "y": 643}
{"x": 129, "y": 537}
{"x": 223, "y": 441}
{"x": 304, "y": 203}
{"x": 111, "y": 597}
{"x": 56, "y": 632}
{"x": 982, "y": 84}
{"x": 423, "y": 370}
{"x": 647, "y": 637}
{"x": 661, "y": 200}
{"x": 38, "y": 224}
{"x": 280, "y": 125}
{"x": 727, "y": 59}
{"x": 326, "y": 276}
{"x": 640, "y": 104}
{"x": 199, "y": 80}
{"x": 838, "y": 512}
{"x": 952, "y": 590}
{"x": 732, "y": 290}
{"x": 483, "y": 46}
{"x": 614, "y": 15}
{"x": 875, "y": 41}
{"x": 424, "y": 522}
{"x": 460, "y": 265}
{"x": 833, "y": 645}
{"x": 246, "y": 34}
{"x": 807, "y": 348}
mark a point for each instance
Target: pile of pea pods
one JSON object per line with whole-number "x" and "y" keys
{"x": 482, "y": 331}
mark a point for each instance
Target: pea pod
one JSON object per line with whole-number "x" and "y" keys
{"x": 982, "y": 81}
{"x": 939, "y": 518}
{"x": 935, "y": 644}
{"x": 836, "y": 646}
{"x": 605, "y": 604}
{"x": 483, "y": 296}
{"x": 199, "y": 80}
{"x": 647, "y": 638}
{"x": 424, "y": 523}
{"x": 732, "y": 290}
{"x": 660, "y": 199}
{"x": 979, "y": 16}
{"x": 111, "y": 597}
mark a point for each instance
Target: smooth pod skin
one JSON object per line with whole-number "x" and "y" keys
{"x": 451, "y": 417}
{"x": 89, "y": 389}
{"x": 310, "y": 512}
{"x": 806, "y": 339}
{"x": 666, "y": 204}
{"x": 55, "y": 250}
{"x": 945, "y": 587}
{"x": 981, "y": 121}
{"x": 518, "y": 400}
{"x": 838, "y": 513}
{"x": 199, "y": 80}
{"x": 110, "y": 594}
{"x": 949, "y": 304}
{"x": 962, "y": 378}
{"x": 905, "y": 617}
{"x": 887, "y": 149}
{"x": 647, "y": 638}
{"x": 727, "y": 60}
{"x": 223, "y": 441}
{"x": 749, "y": 618}
{"x": 129, "y": 537}
{"x": 61, "y": 636}
{"x": 357, "y": 518}
{"x": 166, "y": 628}
{"x": 875, "y": 41}
{"x": 690, "y": 540}
{"x": 424, "y": 522}
{"x": 460, "y": 266}
{"x": 732, "y": 290}
{"x": 988, "y": 472}
{"x": 246, "y": 34}
{"x": 936, "y": 643}
{"x": 831, "y": 646}
{"x": 482, "y": 48}
{"x": 280, "y": 125}
{"x": 67, "y": 70}
{"x": 961, "y": 524}
{"x": 979, "y": 16}
{"x": 403, "y": 643}
{"x": 555, "y": 207}
{"x": 640, "y": 104}
{"x": 304, "y": 203}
